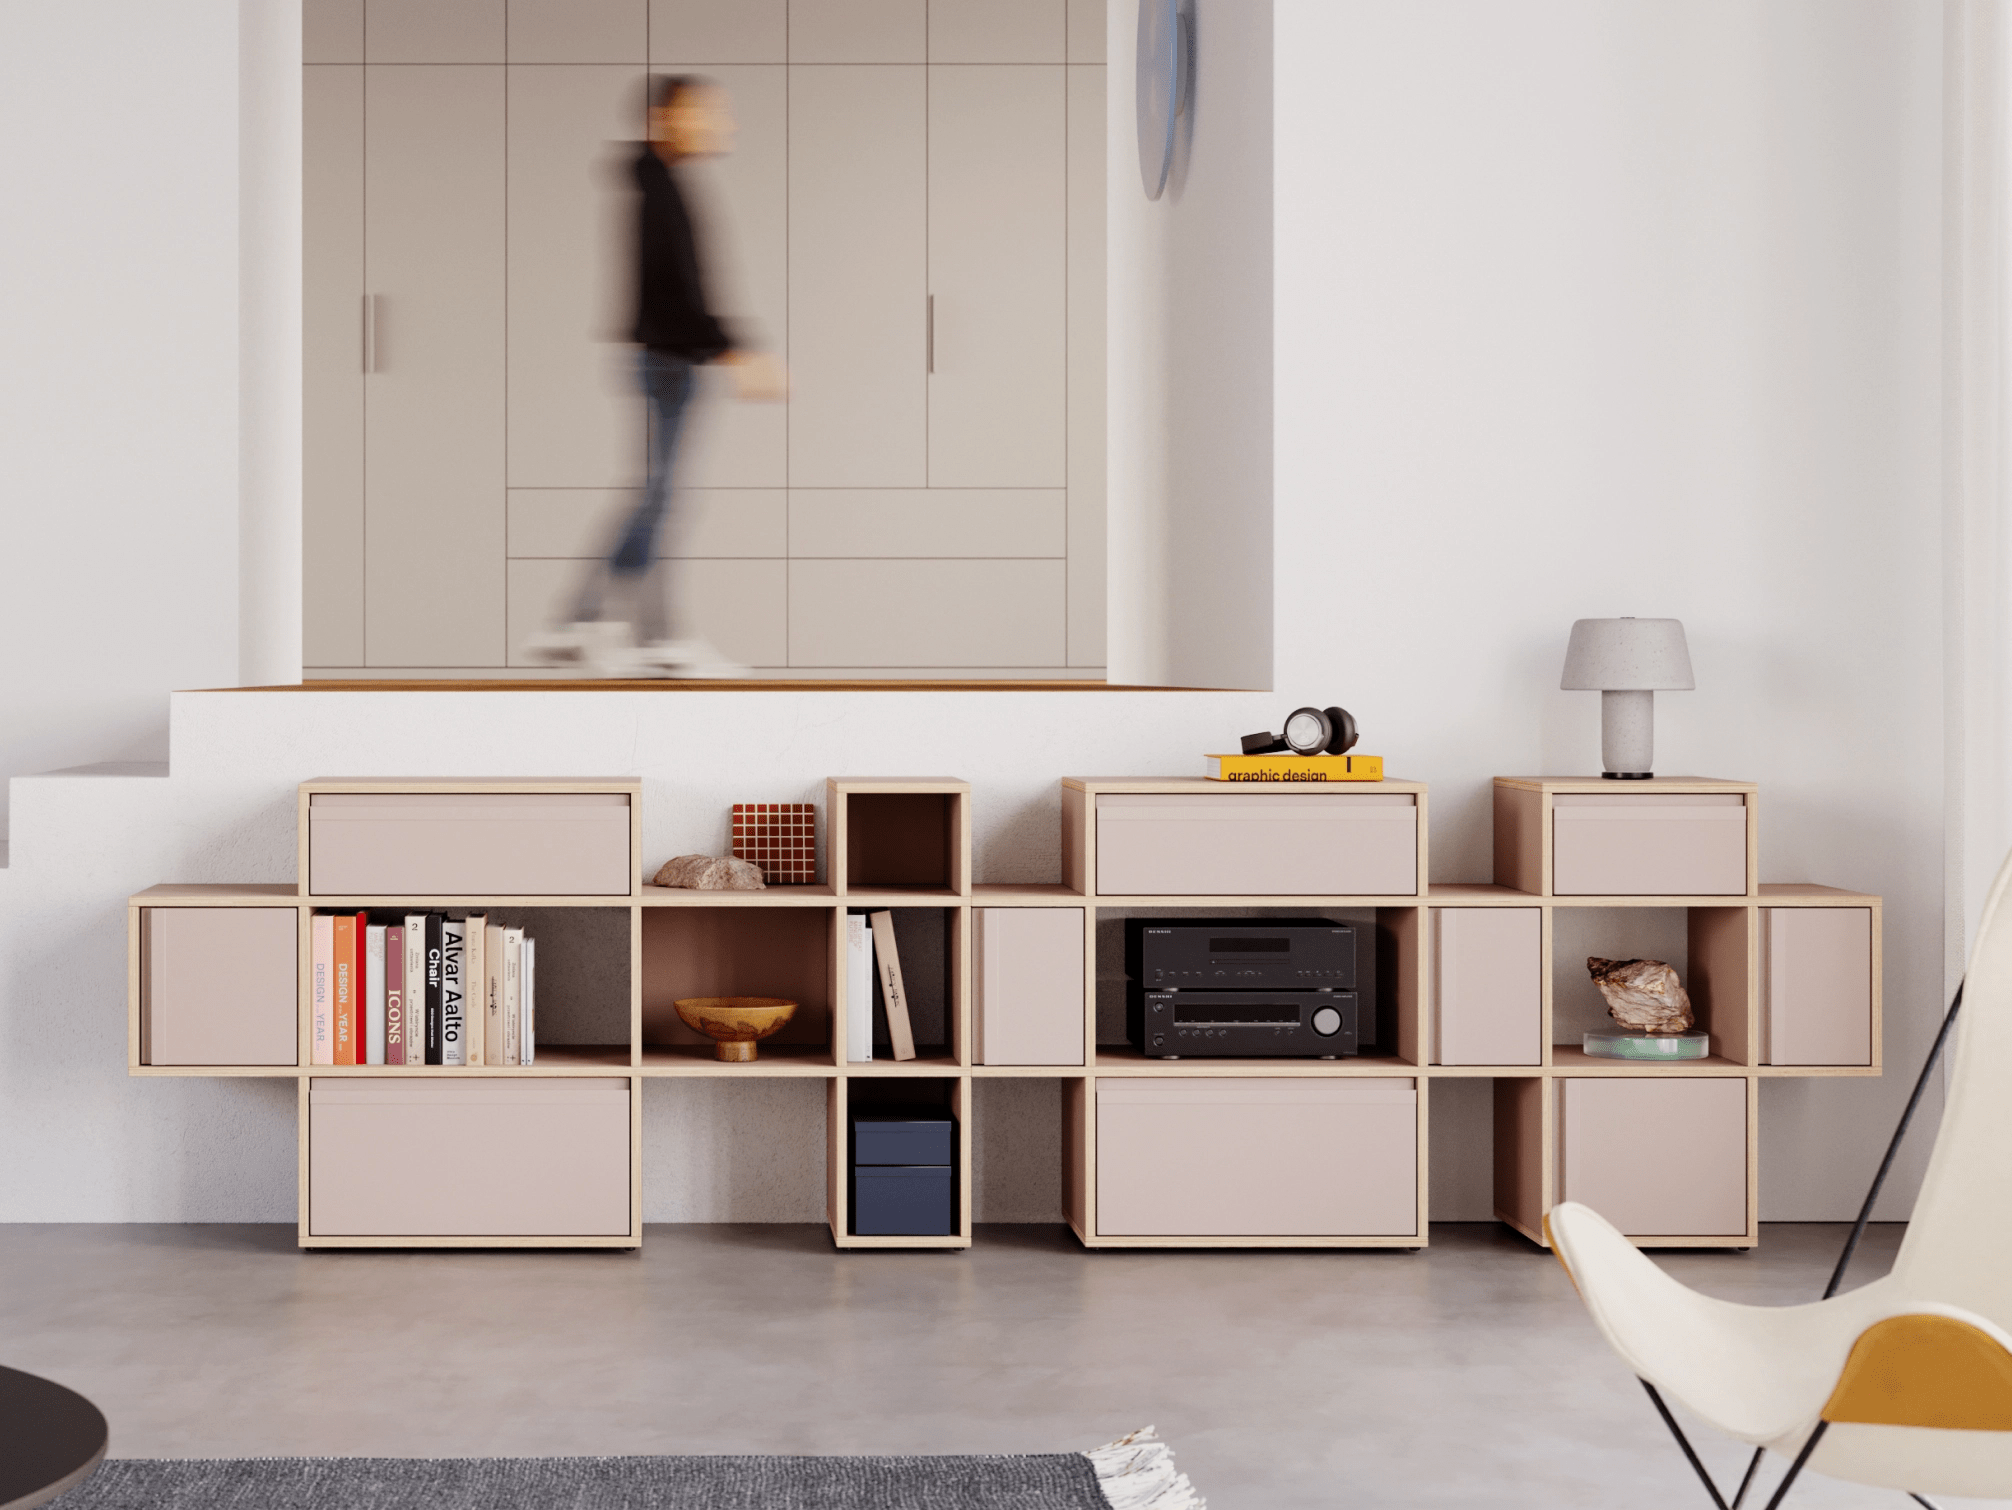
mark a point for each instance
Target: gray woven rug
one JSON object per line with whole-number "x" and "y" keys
{"x": 1053, "y": 1481}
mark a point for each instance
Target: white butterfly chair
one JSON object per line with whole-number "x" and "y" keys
{"x": 1905, "y": 1383}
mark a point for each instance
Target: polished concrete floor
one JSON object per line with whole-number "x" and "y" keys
{"x": 1466, "y": 1375}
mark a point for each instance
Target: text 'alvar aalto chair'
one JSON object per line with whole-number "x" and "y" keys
{"x": 1904, "y": 1383}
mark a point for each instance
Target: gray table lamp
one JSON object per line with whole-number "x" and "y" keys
{"x": 1627, "y": 661}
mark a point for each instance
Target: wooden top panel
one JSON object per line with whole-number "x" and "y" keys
{"x": 1162, "y": 784}
{"x": 475, "y": 785}
{"x": 1600, "y": 784}
{"x": 769, "y": 896}
{"x": 1809, "y": 894}
{"x": 899, "y": 783}
{"x": 205, "y": 894}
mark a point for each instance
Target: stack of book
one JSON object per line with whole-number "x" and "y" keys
{"x": 427, "y": 989}
{"x": 870, "y": 950}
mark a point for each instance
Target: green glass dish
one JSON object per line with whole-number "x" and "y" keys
{"x": 1662, "y": 1047}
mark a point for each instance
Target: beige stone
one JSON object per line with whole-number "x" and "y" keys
{"x": 710, "y": 873}
{"x": 1642, "y": 994}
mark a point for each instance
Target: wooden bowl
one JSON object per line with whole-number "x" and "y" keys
{"x": 735, "y": 1023}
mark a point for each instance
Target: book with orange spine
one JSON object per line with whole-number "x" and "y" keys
{"x": 344, "y": 937}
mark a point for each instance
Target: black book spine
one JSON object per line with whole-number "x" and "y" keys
{"x": 435, "y": 948}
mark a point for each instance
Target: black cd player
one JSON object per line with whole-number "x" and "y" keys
{"x": 1240, "y": 954}
{"x": 1239, "y": 1024}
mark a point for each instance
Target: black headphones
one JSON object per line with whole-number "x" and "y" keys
{"x": 1308, "y": 731}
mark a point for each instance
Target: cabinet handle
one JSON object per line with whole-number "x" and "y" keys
{"x": 370, "y": 332}
{"x": 932, "y": 333}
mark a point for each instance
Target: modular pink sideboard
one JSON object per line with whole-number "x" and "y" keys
{"x": 1027, "y": 980}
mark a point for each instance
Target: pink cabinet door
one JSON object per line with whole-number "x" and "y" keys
{"x": 1487, "y": 985}
{"x": 1649, "y": 844}
{"x": 1816, "y": 984}
{"x": 468, "y": 844}
{"x": 219, "y": 985}
{"x": 1257, "y": 1158}
{"x": 1027, "y": 970}
{"x": 1662, "y": 1157}
{"x": 1257, "y": 844}
{"x": 433, "y": 1157}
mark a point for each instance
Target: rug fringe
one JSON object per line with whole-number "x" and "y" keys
{"x": 1137, "y": 1472}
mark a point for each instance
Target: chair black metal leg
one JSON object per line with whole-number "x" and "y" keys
{"x": 1747, "y": 1482}
{"x": 1795, "y": 1468}
{"x": 1919, "y": 1500}
{"x": 1893, "y": 1148}
{"x": 1718, "y": 1500}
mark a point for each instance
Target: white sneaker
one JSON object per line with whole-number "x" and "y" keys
{"x": 700, "y": 661}
{"x": 565, "y": 645}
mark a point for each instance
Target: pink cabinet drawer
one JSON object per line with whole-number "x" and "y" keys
{"x": 1657, "y": 1158}
{"x": 1816, "y": 985}
{"x": 468, "y": 844}
{"x": 1257, "y": 844}
{"x": 1027, "y": 979}
{"x": 1257, "y": 1158}
{"x": 1487, "y": 985}
{"x": 1649, "y": 844}
{"x": 219, "y": 985}
{"x": 432, "y": 1157}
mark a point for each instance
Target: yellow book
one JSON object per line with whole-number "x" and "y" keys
{"x": 1283, "y": 768}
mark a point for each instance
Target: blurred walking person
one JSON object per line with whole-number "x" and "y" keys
{"x": 621, "y": 619}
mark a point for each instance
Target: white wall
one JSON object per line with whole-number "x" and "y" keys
{"x": 119, "y": 320}
{"x": 1190, "y": 397}
{"x": 1589, "y": 309}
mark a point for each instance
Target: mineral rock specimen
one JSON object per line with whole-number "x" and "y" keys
{"x": 707, "y": 873}
{"x": 1642, "y": 994}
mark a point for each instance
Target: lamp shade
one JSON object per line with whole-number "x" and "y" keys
{"x": 1627, "y": 655}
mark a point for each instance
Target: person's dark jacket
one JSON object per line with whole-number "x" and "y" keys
{"x": 671, "y": 312}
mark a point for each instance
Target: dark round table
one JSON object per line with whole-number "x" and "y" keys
{"x": 51, "y": 1439}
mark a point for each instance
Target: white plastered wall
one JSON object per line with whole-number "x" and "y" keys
{"x": 119, "y": 320}
{"x": 1190, "y": 398}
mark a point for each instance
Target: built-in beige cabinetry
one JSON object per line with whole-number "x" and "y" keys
{"x": 1028, "y": 981}
{"x": 911, "y": 216}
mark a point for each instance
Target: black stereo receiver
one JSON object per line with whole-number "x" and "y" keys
{"x": 1240, "y": 954}
{"x": 1239, "y": 1024}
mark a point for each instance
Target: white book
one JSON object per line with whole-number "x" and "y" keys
{"x": 858, "y": 989}
{"x": 474, "y": 976}
{"x": 373, "y": 994}
{"x": 415, "y": 988}
{"x": 322, "y": 1049}
{"x": 492, "y": 994}
{"x": 530, "y": 1001}
{"x": 513, "y": 994}
{"x": 453, "y": 991}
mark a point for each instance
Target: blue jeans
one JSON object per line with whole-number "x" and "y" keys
{"x": 632, "y": 564}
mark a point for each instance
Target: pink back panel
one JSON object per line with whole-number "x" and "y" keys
{"x": 468, "y": 844}
{"x": 1257, "y": 1158}
{"x": 1487, "y": 984}
{"x": 1818, "y": 984}
{"x": 223, "y": 985}
{"x": 435, "y": 1157}
{"x": 1657, "y": 1158}
{"x": 1652, "y": 844}
{"x": 1027, "y": 971}
{"x": 1257, "y": 844}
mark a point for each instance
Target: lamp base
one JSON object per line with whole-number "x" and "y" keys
{"x": 1628, "y": 775}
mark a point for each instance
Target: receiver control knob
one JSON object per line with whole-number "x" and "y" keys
{"x": 1327, "y": 1022}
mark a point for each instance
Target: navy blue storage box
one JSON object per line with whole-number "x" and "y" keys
{"x": 902, "y": 1138}
{"x": 904, "y": 1174}
{"x": 904, "y": 1200}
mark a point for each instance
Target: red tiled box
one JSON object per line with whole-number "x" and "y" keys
{"x": 780, "y": 838}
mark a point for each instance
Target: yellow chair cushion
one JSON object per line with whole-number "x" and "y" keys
{"x": 1925, "y": 1371}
